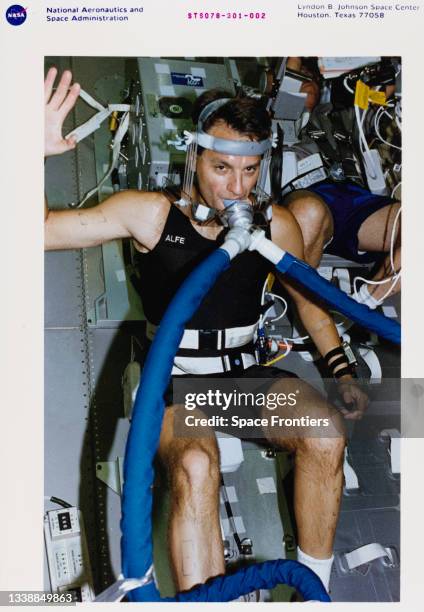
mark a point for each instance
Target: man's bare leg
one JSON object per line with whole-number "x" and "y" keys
{"x": 195, "y": 540}
{"x": 375, "y": 234}
{"x": 318, "y": 466}
{"x": 315, "y": 221}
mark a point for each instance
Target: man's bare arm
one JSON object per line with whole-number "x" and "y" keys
{"x": 316, "y": 320}
{"x": 129, "y": 214}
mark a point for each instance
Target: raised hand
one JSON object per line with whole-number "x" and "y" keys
{"x": 58, "y": 104}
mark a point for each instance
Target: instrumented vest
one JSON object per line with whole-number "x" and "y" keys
{"x": 234, "y": 301}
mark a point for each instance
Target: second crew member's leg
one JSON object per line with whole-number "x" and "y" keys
{"x": 315, "y": 221}
{"x": 376, "y": 234}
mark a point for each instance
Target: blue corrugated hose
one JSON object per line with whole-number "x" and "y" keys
{"x": 309, "y": 278}
{"x": 143, "y": 440}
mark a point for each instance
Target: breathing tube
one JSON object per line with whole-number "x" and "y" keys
{"x": 149, "y": 406}
{"x": 143, "y": 440}
{"x": 320, "y": 288}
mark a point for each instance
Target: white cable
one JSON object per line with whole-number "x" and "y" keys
{"x": 392, "y": 239}
{"x": 395, "y": 188}
{"x": 298, "y": 339}
{"x": 395, "y": 279}
{"x": 365, "y": 150}
{"x": 349, "y": 89}
{"x": 120, "y": 133}
{"x": 288, "y": 349}
{"x": 262, "y": 317}
{"x": 377, "y": 120}
{"x": 285, "y": 306}
{"x": 396, "y": 273}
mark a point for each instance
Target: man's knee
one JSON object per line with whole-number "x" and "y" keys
{"x": 310, "y": 208}
{"x": 314, "y": 219}
{"x": 325, "y": 454}
{"x": 195, "y": 468}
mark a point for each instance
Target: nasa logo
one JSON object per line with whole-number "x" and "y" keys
{"x": 16, "y": 14}
{"x": 186, "y": 79}
{"x": 193, "y": 80}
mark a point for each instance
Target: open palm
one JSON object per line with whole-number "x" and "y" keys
{"x": 58, "y": 104}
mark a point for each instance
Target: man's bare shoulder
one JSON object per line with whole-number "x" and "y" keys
{"x": 146, "y": 214}
{"x": 151, "y": 201}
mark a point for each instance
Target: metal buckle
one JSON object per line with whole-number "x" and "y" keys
{"x": 208, "y": 339}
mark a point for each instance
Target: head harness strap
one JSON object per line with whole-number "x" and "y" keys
{"x": 225, "y": 145}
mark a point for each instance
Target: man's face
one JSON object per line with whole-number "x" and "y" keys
{"x": 229, "y": 177}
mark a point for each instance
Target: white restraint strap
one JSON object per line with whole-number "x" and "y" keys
{"x": 367, "y": 553}
{"x": 92, "y": 125}
{"x": 208, "y": 365}
{"x": 234, "y": 336}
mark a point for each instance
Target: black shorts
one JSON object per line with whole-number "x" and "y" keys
{"x": 254, "y": 371}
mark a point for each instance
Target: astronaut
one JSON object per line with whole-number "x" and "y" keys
{"x": 347, "y": 220}
{"x": 171, "y": 242}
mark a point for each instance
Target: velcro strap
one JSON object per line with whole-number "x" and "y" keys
{"x": 339, "y": 361}
{"x": 366, "y": 554}
{"x": 342, "y": 372}
{"x": 213, "y": 365}
{"x": 213, "y": 352}
{"x": 333, "y": 353}
{"x": 214, "y": 339}
{"x": 208, "y": 339}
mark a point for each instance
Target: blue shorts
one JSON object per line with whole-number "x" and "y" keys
{"x": 349, "y": 205}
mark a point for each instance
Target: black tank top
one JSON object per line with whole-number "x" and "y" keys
{"x": 235, "y": 299}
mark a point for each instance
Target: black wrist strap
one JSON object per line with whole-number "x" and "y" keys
{"x": 334, "y": 353}
{"x": 342, "y": 372}
{"x": 337, "y": 362}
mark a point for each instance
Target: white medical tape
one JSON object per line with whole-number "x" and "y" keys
{"x": 342, "y": 275}
{"x": 351, "y": 479}
{"x": 394, "y": 450}
{"x": 373, "y": 362}
{"x": 231, "y": 494}
{"x": 122, "y": 586}
{"x": 266, "y": 485}
{"x": 366, "y": 554}
{"x": 238, "y": 524}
